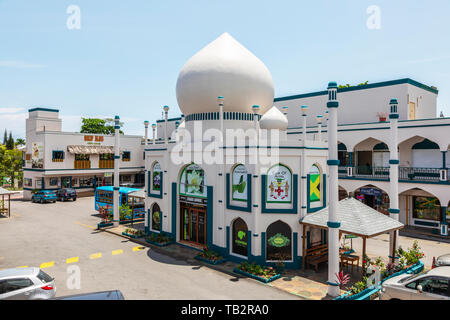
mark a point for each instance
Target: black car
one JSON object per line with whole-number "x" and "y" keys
{"x": 66, "y": 194}
{"x": 105, "y": 295}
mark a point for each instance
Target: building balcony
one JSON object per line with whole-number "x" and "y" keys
{"x": 406, "y": 174}
{"x": 106, "y": 164}
{"x": 82, "y": 164}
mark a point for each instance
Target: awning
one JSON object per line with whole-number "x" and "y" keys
{"x": 137, "y": 194}
{"x": 90, "y": 149}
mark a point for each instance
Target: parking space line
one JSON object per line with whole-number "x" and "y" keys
{"x": 95, "y": 256}
{"x": 116, "y": 252}
{"x": 85, "y": 225}
{"x": 138, "y": 248}
{"x": 72, "y": 260}
{"x": 22, "y": 267}
{"x": 47, "y": 264}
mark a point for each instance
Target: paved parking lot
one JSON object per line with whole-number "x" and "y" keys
{"x": 62, "y": 235}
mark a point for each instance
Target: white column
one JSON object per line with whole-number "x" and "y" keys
{"x": 319, "y": 127}
{"x": 116, "y": 204}
{"x": 154, "y": 133}
{"x": 303, "y": 168}
{"x": 166, "y": 131}
{"x": 222, "y": 189}
{"x": 394, "y": 211}
{"x": 146, "y": 123}
{"x": 256, "y": 241}
{"x": 333, "y": 220}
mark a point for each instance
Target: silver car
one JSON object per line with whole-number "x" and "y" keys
{"x": 430, "y": 285}
{"x": 443, "y": 260}
{"x": 26, "y": 284}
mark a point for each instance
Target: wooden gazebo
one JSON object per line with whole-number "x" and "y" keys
{"x": 357, "y": 219}
{"x": 5, "y": 207}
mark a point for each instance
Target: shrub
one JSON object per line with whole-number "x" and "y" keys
{"x": 210, "y": 255}
{"x": 256, "y": 269}
{"x": 159, "y": 238}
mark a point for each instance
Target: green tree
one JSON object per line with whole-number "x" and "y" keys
{"x": 5, "y": 138}
{"x": 10, "y": 142}
{"x": 20, "y": 142}
{"x": 99, "y": 126}
{"x": 10, "y": 163}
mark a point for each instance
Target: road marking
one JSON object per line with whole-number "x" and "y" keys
{"x": 22, "y": 267}
{"x": 96, "y": 255}
{"x": 116, "y": 252}
{"x": 72, "y": 260}
{"x": 47, "y": 264}
{"x": 85, "y": 225}
{"x": 138, "y": 248}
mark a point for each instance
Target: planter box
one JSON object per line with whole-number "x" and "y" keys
{"x": 366, "y": 293}
{"x": 239, "y": 271}
{"x": 132, "y": 235}
{"x": 102, "y": 225}
{"x": 209, "y": 261}
{"x": 159, "y": 244}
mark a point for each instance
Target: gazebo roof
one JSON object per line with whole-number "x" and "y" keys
{"x": 355, "y": 218}
{"x": 4, "y": 191}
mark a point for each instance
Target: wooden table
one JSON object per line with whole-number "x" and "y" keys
{"x": 348, "y": 259}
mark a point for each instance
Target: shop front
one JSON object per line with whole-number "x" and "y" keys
{"x": 426, "y": 211}
{"x": 374, "y": 198}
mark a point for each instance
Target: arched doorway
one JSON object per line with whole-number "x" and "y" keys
{"x": 279, "y": 242}
{"x": 156, "y": 218}
{"x": 374, "y": 197}
{"x": 193, "y": 204}
{"x": 239, "y": 237}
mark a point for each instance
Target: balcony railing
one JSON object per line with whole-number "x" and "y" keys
{"x": 82, "y": 164}
{"x": 405, "y": 173}
{"x": 106, "y": 164}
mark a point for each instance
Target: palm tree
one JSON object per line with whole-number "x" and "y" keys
{"x": 20, "y": 142}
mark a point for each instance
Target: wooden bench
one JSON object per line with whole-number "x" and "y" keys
{"x": 316, "y": 255}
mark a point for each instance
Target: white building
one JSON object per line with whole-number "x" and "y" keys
{"x": 365, "y": 140}
{"x": 56, "y": 159}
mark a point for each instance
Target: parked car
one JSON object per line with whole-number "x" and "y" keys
{"x": 443, "y": 260}
{"x": 66, "y": 194}
{"x": 26, "y": 284}
{"x": 44, "y": 196}
{"x": 104, "y": 295}
{"x": 430, "y": 285}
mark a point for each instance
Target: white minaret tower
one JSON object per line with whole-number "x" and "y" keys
{"x": 319, "y": 127}
{"x": 154, "y": 133}
{"x": 166, "y": 119}
{"x": 220, "y": 103}
{"x": 146, "y": 123}
{"x": 304, "y": 110}
{"x": 116, "y": 204}
{"x": 394, "y": 210}
{"x": 304, "y": 113}
{"x": 333, "y": 163}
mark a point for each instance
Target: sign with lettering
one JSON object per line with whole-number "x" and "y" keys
{"x": 239, "y": 183}
{"x": 279, "y": 184}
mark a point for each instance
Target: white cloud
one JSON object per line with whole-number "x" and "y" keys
{"x": 10, "y": 110}
{"x": 19, "y": 64}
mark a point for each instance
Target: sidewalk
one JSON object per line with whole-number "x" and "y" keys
{"x": 307, "y": 285}
{"x": 423, "y": 233}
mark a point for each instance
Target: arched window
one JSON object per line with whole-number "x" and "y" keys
{"x": 314, "y": 184}
{"x": 193, "y": 181}
{"x": 239, "y": 183}
{"x": 156, "y": 177}
{"x": 279, "y": 242}
{"x": 240, "y": 241}
{"x": 156, "y": 218}
{"x": 279, "y": 184}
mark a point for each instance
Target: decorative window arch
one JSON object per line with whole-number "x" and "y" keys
{"x": 279, "y": 184}
{"x": 315, "y": 175}
{"x": 239, "y": 237}
{"x": 156, "y": 218}
{"x": 193, "y": 181}
{"x": 279, "y": 242}
{"x": 239, "y": 183}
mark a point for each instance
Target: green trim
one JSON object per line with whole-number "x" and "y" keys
{"x": 43, "y": 109}
{"x": 333, "y": 225}
{"x": 168, "y": 120}
{"x": 394, "y": 161}
{"x": 394, "y": 211}
{"x": 333, "y": 162}
{"x": 394, "y": 116}
{"x": 364, "y": 87}
{"x": 332, "y": 104}
{"x": 103, "y": 169}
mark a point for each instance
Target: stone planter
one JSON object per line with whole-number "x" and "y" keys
{"x": 103, "y": 225}
{"x": 159, "y": 244}
{"x": 239, "y": 271}
{"x": 132, "y": 235}
{"x": 129, "y": 221}
{"x": 200, "y": 258}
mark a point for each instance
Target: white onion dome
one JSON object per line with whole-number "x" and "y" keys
{"x": 273, "y": 119}
{"x": 224, "y": 68}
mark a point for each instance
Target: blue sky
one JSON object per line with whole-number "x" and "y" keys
{"x": 126, "y": 57}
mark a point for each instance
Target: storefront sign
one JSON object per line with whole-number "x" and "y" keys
{"x": 279, "y": 241}
{"x": 239, "y": 183}
{"x": 156, "y": 177}
{"x": 279, "y": 184}
{"x": 314, "y": 187}
{"x": 371, "y": 191}
{"x": 192, "y": 182}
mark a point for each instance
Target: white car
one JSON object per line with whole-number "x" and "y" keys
{"x": 430, "y": 285}
{"x": 26, "y": 284}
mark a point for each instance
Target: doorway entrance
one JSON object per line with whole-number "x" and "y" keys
{"x": 193, "y": 224}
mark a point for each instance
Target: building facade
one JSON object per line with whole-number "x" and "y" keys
{"x": 56, "y": 159}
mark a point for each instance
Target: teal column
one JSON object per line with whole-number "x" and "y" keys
{"x": 350, "y": 159}
{"x": 444, "y": 154}
{"x": 444, "y": 215}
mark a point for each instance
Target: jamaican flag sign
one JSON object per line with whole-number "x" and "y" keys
{"x": 314, "y": 187}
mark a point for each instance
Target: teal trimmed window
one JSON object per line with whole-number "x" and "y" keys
{"x": 126, "y": 156}
{"x": 57, "y": 156}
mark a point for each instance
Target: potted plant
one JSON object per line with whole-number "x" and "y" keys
{"x": 255, "y": 271}
{"x": 159, "y": 239}
{"x": 209, "y": 256}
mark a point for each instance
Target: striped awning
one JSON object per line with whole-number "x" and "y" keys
{"x": 90, "y": 149}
